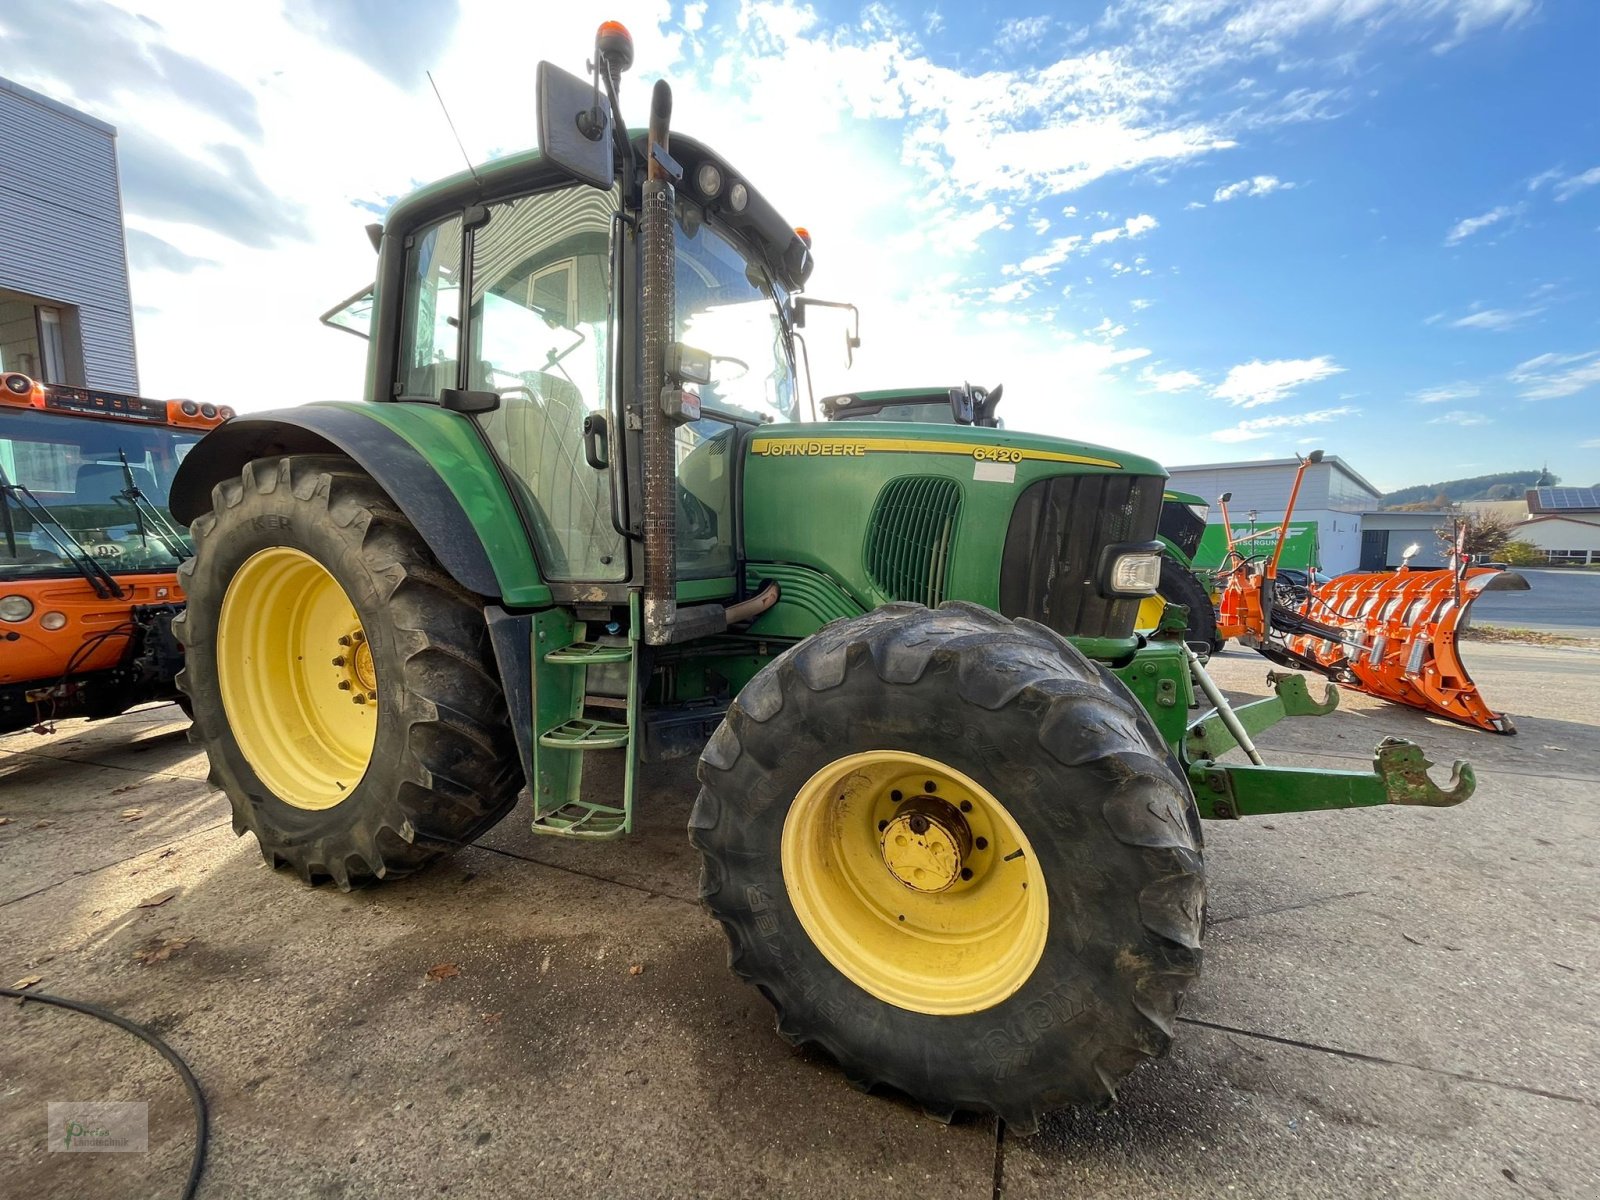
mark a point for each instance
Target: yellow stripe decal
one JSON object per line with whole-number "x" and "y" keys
{"x": 847, "y": 446}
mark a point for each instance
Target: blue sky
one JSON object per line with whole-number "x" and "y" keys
{"x": 1207, "y": 229}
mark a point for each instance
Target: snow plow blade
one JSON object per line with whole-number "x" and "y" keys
{"x": 1394, "y": 636}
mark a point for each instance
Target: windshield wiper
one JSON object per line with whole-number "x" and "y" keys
{"x": 67, "y": 546}
{"x": 143, "y": 510}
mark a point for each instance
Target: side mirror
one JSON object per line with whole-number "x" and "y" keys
{"x": 575, "y": 127}
{"x": 961, "y": 405}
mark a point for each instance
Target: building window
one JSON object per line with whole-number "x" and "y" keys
{"x": 33, "y": 338}
{"x": 52, "y": 348}
{"x": 19, "y": 337}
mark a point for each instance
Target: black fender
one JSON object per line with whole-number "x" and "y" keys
{"x": 409, "y": 479}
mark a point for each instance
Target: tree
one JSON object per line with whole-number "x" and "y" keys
{"x": 1518, "y": 553}
{"x": 1487, "y": 533}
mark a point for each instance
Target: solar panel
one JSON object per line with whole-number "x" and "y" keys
{"x": 1556, "y": 499}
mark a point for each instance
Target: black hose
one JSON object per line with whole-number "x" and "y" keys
{"x": 196, "y": 1096}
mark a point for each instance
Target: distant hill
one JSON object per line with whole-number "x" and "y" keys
{"x": 1507, "y": 485}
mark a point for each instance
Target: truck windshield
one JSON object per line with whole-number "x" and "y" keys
{"x": 71, "y": 469}
{"x": 728, "y": 306}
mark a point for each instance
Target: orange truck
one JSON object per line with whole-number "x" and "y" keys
{"x": 88, "y": 551}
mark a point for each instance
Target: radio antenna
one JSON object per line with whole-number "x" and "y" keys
{"x": 444, "y": 109}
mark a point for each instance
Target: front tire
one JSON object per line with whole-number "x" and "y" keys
{"x": 1180, "y": 585}
{"x": 1045, "y": 948}
{"x": 342, "y": 684}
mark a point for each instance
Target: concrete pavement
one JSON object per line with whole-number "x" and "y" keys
{"x": 1395, "y": 1002}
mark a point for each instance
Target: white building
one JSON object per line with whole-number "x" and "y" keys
{"x": 1564, "y": 540}
{"x": 65, "y": 312}
{"x": 1564, "y": 522}
{"x": 1332, "y": 494}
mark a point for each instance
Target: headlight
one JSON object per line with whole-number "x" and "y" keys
{"x": 15, "y": 608}
{"x": 738, "y": 197}
{"x": 53, "y": 621}
{"x": 1132, "y": 572}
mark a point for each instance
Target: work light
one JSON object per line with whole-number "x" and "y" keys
{"x": 1134, "y": 574}
{"x": 15, "y": 608}
{"x": 709, "y": 180}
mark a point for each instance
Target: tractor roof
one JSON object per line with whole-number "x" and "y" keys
{"x": 780, "y": 247}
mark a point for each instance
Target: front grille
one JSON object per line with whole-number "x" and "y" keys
{"x": 1058, "y": 529}
{"x": 909, "y": 536}
{"x": 1181, "y": 526}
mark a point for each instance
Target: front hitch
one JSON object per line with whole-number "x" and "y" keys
{"x": 1228, "y": 791}
{"x": 1403, "y": 767}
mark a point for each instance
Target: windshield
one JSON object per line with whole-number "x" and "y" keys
{"x": 728, "y": 306}
{"x": 71, "y": 469}
{"x": 916, "y": 414}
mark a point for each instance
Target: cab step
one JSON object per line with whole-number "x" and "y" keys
{"x": 585, "y": 654}
{"x": 565, "y": 691}
{"x": 586, "y": 733}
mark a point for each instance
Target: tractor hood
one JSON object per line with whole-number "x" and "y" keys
{"x": 888, "y": 511}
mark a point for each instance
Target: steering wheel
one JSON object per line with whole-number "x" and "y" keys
{"x": 744, "y": 367}
{"x": 520, "y": 390}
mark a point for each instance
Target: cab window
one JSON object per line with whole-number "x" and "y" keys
{"x": 430, "y": 330}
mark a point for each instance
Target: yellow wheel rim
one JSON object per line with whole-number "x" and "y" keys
{"x": 1150, "y": 610}
{"x": 297, "y": 678}
{"x": 915, "y": 882}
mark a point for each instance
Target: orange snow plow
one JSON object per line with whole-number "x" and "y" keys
{"x": 1393, "y": 635}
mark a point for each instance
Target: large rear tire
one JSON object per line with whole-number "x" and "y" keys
{"x": 1180, "y": 585}
{"x": 954, "y": 853}
{"x": 343, "y": 685}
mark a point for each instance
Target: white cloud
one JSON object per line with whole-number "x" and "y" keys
{"x": 1445, "y": 393}
{"x": 1467, "y": 226}
{"x": 1047, "y": 259}
{"x": 1591, "y": 444}
{"x": 1260, "y": 427}
{"x": 1021, "y": 33}
{"x": 1255, "y": 383}
{"x": 1496, "y": 320}
{"x": 1170, "y": 381}
{"x": 1256, "y": 185}
{"x": 1570, "y": 187}
{"x": 694, "y": 16}
{"x": 1461, "y": 417}
{"x": 1011, "y": 293}
{"x": 1552, "y": 376}
{"x": 1132, "y": 227}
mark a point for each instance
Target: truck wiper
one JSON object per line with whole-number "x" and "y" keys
{"x": 10, "y": 524}
{"x": 143, "y": 510}
{"x": 99, "y": 578}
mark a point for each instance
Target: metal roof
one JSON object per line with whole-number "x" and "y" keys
{"x": 1565, "y": 499}
{"x": 1254, "y": 464}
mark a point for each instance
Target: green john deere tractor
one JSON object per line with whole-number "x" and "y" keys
{"x": 950, "y": 804}
{"x": 1182, "y": 522}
